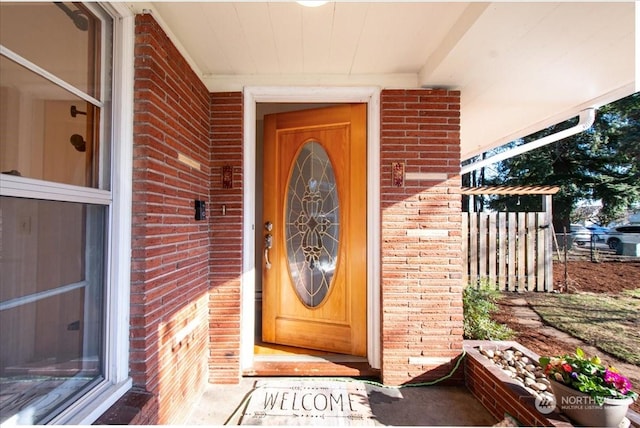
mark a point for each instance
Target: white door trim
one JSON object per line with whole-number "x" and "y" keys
{"x": 280, "y": 94}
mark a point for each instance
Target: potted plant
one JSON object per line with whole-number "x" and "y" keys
{"x": 587, "y": 391}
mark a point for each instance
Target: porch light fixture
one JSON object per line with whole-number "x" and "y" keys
{"x": 312, "y": 3}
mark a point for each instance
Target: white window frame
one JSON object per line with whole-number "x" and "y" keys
{"x": 116, "y": 381}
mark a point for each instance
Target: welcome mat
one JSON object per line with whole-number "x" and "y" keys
{"x": 308, "y": 402}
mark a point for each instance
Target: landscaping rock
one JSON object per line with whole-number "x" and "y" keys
{"x": 522, "y": 369}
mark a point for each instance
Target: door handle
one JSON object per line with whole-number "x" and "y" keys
{"x": 268, "y": 243}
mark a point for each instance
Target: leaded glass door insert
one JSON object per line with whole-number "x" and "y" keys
{"x": 312, "y": 224}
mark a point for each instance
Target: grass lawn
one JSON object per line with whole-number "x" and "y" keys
{"x": 608, "y": 322}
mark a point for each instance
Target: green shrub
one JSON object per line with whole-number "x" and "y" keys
{"x": 479, "y": 303}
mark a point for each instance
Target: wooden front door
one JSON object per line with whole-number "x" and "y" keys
{"x": 315, "y": 228}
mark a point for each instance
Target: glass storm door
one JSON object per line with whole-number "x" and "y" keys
{"x": 314, "y": 264}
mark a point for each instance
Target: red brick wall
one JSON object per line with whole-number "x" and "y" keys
{"x": 226, "y": 238}
{"x": 170, "y": 249}
{"x": 421, "y": 274}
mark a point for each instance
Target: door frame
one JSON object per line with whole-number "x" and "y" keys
{"x": 286, "y": 94}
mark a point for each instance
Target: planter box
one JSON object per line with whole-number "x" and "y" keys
{"x": 501, "y": 395}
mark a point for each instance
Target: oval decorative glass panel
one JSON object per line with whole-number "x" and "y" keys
{"x": 312, "y": 224}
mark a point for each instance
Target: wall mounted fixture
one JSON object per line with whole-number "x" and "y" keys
{"x": 74, "y": 111}
{"x": 78, "y": 142}
{"x": 77, "y": 16}
{"x": 397, "y": 174}
{"x": 201, "y": 210}
{"x": 227, "y": 177}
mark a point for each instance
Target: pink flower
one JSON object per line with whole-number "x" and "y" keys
{"x": 618, "y": 381}
{"x": 567, "y": 368}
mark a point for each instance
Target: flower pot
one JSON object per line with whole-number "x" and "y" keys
{"x": 584, "y": 410}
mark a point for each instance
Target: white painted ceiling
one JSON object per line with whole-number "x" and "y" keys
{"x": 519, "y": 66}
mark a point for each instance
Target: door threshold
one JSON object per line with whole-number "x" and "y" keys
{"x": 274, "y": 360}
{"x": 334, "y": 358}
{"x": 311, "y": 366}
{"x": 278, "y": 360}
{"x": 261, "y": 348}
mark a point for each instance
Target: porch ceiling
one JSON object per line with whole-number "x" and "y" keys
{"x": 519, "y": 66}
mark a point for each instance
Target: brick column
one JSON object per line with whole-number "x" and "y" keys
{"x": 226, "y": 237}
{"x": 421, "y": 270}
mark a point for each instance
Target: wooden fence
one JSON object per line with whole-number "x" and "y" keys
{"x": 511, "y": 250}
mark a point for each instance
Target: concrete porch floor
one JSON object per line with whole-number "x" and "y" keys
{"x": 408, "y": 406}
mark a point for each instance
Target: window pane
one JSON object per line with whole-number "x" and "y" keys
{"x": 46, "y": 132}
{"x": 61, "y": 37}
{"x": 51, "y": 300}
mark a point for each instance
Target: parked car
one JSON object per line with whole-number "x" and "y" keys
{"x": 580, "y": 234}
{"x": 598, "y": 233}
{"x": 628, "y": 233}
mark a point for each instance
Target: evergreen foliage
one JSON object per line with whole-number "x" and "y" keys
{"x": 600, "y": 163}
